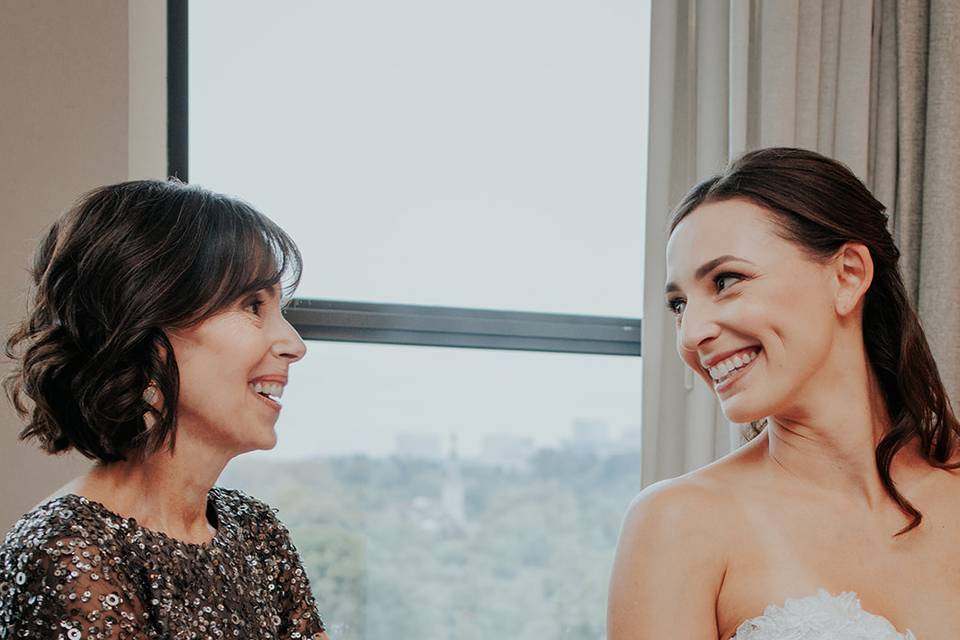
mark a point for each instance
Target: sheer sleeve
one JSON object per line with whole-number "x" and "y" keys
{"x": 67, "y": 589}
{"x": 300, "y": 618}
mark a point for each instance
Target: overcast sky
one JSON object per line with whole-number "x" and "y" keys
{"x": 477, "y": 154}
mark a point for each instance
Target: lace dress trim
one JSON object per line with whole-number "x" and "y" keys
{"x": 820, "y": 617}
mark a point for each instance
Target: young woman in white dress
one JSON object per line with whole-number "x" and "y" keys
{"x": 840, "y": 520}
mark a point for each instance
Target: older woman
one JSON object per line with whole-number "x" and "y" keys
{"x": 155, "y": 345}
{"x": 840, "y": 519}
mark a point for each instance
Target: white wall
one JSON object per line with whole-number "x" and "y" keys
{"x": 83, "y": 103}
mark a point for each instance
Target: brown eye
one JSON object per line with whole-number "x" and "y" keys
{"x": 676, "y": 306}
{"x": 255, "y": 305}
{"x": 722, "y": 279}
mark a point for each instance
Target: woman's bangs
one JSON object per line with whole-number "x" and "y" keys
{"x": 248, "y": 253}
{"x": 266, "y": 257}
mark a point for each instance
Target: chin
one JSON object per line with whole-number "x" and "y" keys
{"x": 741, "y": 411}
{"x": 267, "y": 443}
{"x": 264, "y": 442}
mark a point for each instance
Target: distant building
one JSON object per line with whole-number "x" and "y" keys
{"x": 590, "y": 431}
{"x": 446, "y": 514}
{"x": 507, "y": 451}
{"x": 595, "y": 437}
{"x": 453, "y": 495}
{"x": 592, "y": 436}
{"x": 631, "y": 439}
{"x": 418, "y": 445}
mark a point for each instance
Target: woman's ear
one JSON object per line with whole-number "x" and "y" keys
{"x": 853, "y": 272}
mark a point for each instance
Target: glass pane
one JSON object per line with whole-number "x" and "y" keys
{"x": 485, "y": 154}
{"x": 448, "y": 493}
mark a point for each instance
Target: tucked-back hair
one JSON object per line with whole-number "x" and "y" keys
{"x": 127, "y": 263}
{"x": 819, "y": 205}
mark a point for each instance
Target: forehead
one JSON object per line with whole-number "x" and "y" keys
{"x": 731, "y": 227}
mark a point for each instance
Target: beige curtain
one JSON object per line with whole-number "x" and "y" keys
{"x": 869, "y": 82}
{"x": 915, "y": 160}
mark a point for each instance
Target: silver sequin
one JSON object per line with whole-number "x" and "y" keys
{"x": 73, "y": 562}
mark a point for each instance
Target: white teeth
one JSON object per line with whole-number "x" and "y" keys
{"x": 272, "y": 389}
{"x": 720, "y": 370}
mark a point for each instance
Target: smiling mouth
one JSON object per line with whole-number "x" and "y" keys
{"x": 270, "y": 402}
{"x": 731, "y": 370}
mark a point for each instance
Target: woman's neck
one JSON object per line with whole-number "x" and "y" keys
{"x": 828, "y": 440}
{"x": 166, "y": 491}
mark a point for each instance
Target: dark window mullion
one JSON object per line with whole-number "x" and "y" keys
{"x": 178, "y": 121}
{"x": 459, "y": 327}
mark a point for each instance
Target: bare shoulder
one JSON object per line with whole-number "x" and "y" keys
{"x": 695, "y": 506}
{"x": 671, "y": 559}
{"x": 705, "y": 498}
{"x": 936, "y": 487}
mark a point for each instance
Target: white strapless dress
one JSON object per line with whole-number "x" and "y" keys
{"x": 820, "y": 617}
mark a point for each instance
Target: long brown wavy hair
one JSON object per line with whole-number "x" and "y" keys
{"x": 818, "y": 204}
{"x": 127, "y": 263}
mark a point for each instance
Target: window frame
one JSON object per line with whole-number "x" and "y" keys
{"x": 401, "y": 324}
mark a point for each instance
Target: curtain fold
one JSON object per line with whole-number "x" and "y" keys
{"x": 872, "y": 83}
{"x": 689, "y": 136}
{"x": 939, "y": 299}
{"x": 915, "y": 161}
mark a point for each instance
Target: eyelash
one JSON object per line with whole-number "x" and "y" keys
{"x": 255, "y": 304}
{"x": 674, "y": 303}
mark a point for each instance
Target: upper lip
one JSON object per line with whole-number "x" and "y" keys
{"x": 714, "y": 360}
{"x": 278, "y": 378}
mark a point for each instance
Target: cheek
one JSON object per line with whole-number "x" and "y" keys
{"x": 688, "y": 358}
{"x": 210, "y": 381}
{"x": 799, "y": 320}
{"x": 200, "y": 392}
{"x": 692, "y": 360}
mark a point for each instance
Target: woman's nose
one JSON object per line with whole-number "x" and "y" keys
{"x": 290, "y": 345}
{"x": 697, "y": 327}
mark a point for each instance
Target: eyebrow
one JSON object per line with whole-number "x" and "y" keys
{"x": 270, "y": 291}
{"x": 706, "y": 268}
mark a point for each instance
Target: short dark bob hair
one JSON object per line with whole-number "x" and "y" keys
{"x": 127, "y": 263}
{"x": 819, "y": 205}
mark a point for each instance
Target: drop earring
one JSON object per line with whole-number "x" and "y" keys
{"x": 150, "y": 396}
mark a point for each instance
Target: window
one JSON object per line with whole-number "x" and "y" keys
{"x": 457, "y": 175}
{"x": 439, "y": 493}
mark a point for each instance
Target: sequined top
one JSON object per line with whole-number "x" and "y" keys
{"x": 72, "y": 569}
